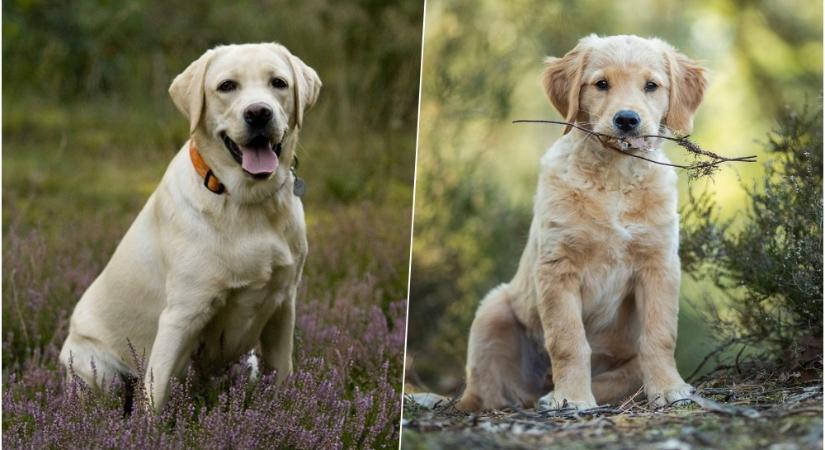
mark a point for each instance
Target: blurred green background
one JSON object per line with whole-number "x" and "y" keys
{"x": 88, "y": 131}
{"x": 89, "y": 128}
{"x": 477, "y": 172}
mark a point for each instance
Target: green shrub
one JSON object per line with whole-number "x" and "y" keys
{"x": 768, "y": 263}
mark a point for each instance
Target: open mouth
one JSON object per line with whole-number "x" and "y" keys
{"x": 258, "y": 157}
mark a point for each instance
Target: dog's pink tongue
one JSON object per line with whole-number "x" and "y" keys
{"x": 259, "y": 160}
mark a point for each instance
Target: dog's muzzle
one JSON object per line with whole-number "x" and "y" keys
{"x": 259, "y": 157}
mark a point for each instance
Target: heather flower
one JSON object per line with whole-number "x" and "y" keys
{"x": 345, "y": 391}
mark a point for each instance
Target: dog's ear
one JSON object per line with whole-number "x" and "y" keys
{"x": 187, "y": 90}
{"x": 688, "y": 81}
{"x": 305, "y": 87}
{"x": 562, "y": 80}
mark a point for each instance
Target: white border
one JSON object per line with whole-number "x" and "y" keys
{"x": 412, "y": 220}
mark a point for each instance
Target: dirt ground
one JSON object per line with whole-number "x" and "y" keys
{"x": 774, "y": 410}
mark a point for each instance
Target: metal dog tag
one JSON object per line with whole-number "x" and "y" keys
{"x": 298, "y": 187}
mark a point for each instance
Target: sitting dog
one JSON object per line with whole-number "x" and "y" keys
{"x": 595, "y": 300}
{"x": 212, "y": 263}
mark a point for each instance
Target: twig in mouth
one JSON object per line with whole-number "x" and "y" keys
{"x": 697, "y": 169}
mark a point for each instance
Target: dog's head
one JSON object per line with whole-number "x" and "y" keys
{"x": 625, "y": 86}
{"x": 250, "y": 98}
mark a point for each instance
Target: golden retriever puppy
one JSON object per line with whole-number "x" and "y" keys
{"x": 595, "y": 299}
{"x": 212, "y": 263}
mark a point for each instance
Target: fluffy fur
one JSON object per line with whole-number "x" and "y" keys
{"x": 591, "y": 313}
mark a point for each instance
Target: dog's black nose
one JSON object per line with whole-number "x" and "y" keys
{"x": 626, "y": 120}
{"x": 257, "y": 114}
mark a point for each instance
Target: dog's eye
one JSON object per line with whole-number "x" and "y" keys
{"x": 227, "y": 86}
{"x": 602, "y": 85}
{"x": 651, "y": 86}
{"x": 279, "y": 83}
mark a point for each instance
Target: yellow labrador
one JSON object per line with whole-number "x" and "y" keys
{"x": 212, "y": 263}
{"x": 595, "y": 299}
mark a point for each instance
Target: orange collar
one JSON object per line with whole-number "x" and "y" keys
{"x": 210, "y": 181}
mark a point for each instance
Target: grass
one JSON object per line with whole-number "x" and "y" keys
{"x": 76, "y": 175}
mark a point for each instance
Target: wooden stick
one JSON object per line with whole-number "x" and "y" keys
{"x": 699, "y": 168}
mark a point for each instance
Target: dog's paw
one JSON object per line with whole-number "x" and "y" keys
{"x": 253, "y": 365}
{"x": 558, "y": 400}
{"x": 672, "y": 394}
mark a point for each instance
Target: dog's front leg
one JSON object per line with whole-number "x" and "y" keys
{"x": 657, "y": 300}
{"x": 187, "y": 312}
{"x": 276, "y": 339}
{"x": 560, "y": 310}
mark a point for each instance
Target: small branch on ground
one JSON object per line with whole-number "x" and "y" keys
{"x": 720, "y": 408}
{"x": 626, "y": 144}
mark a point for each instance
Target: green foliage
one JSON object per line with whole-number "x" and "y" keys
{"x": 769, "y": 267}
{"x": 91, "y": 47}
{"x": 126, "y": 53}
{"x": 468, "y": 221}
{"x": 476, "y": 171}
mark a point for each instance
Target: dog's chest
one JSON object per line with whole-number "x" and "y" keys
{"x": 259, "y": 262}
{"x": 610, "y": 226}
{"x": 252, "y": 247}
{"x": 252, "y": 260}
{"x": 608, "y": 234}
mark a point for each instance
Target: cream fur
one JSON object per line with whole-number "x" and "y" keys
{"x": 591, "y": 313}
{"x": 196, "y": 271}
